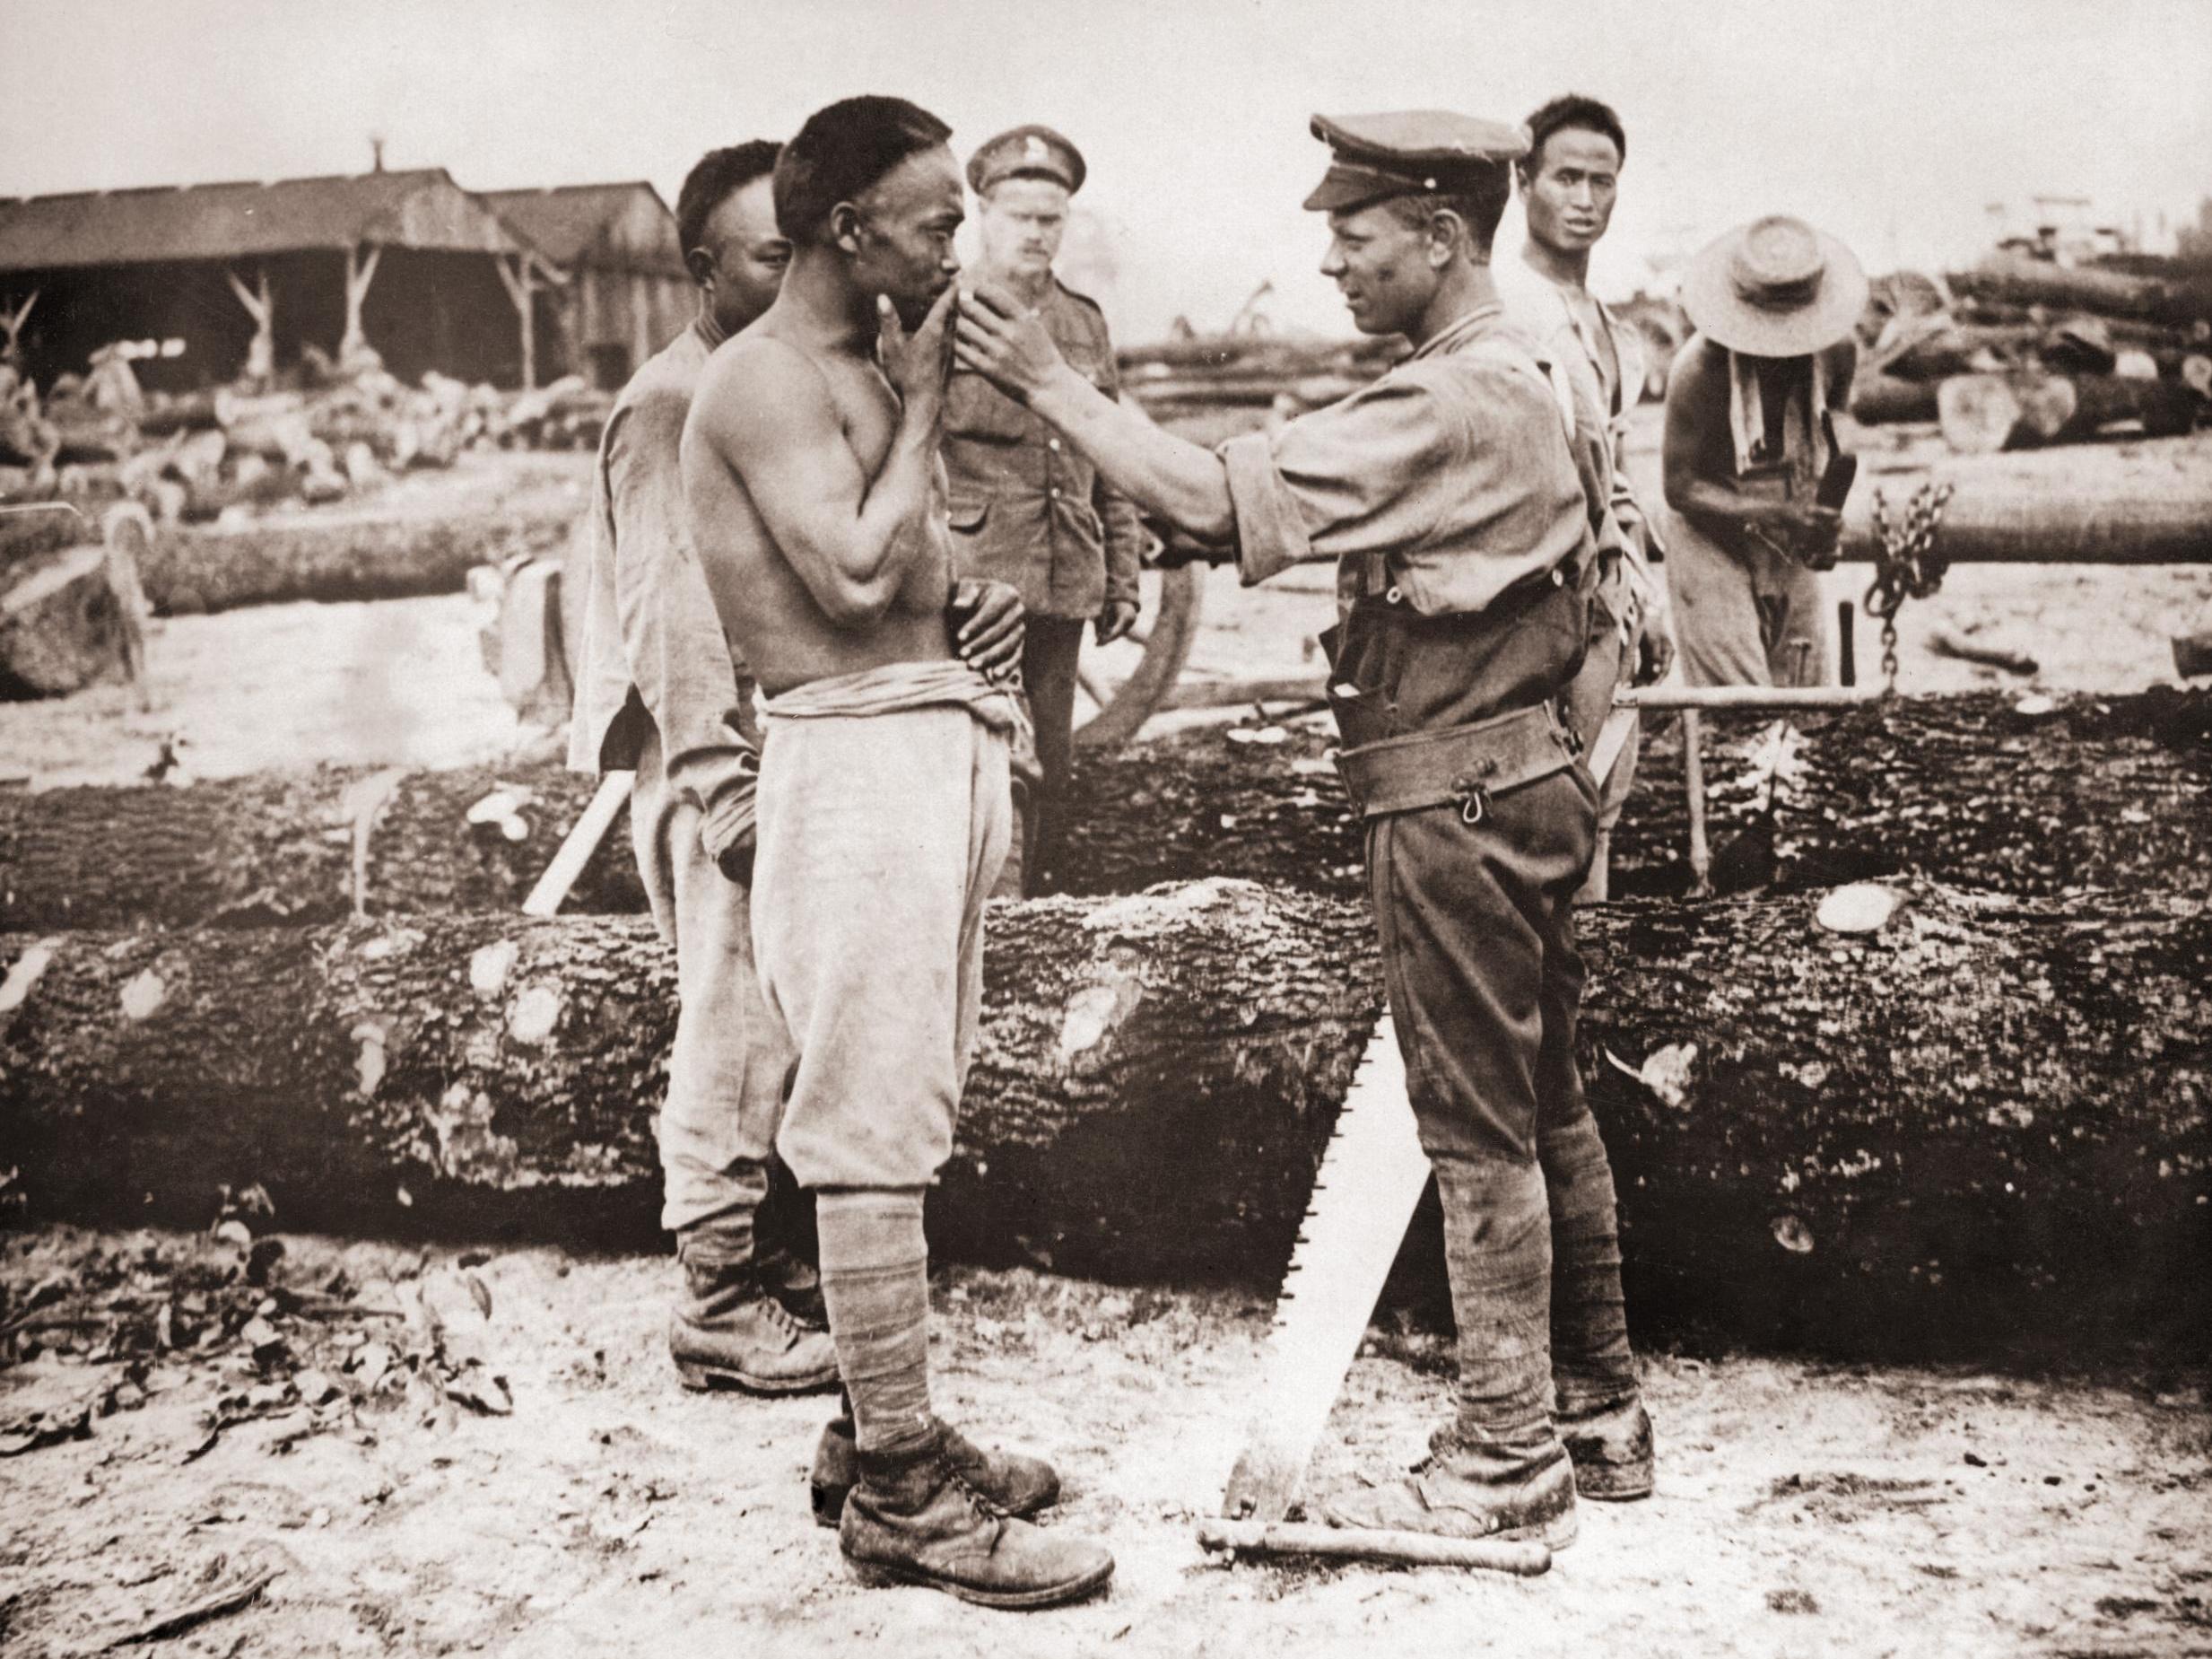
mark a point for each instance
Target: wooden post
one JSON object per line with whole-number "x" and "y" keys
{"x": 520, "y": 286}
{"x": 261, "y": 354}
{"x": 360, "y": 273}
{"x": 12, "y": 317}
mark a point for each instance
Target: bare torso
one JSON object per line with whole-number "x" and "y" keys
{"x": 771, "y": 610}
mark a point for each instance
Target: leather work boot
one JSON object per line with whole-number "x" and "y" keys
{"x": 1019, "y": 1485}
{"x": 1435, "y": 1499}
{"x": 1612, "y": 1451}
{"x": 729, "y": 1330}
{"x": 915, "y": 1518}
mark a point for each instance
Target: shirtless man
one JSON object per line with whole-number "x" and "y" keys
{"x": 1751, "y": 457}
{"x": 817, "y": 508}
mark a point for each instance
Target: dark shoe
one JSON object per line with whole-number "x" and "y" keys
{"x": 915, "y": 1518}
{"x": 727, "y": 1330}
{"x": 1435, "y": 1498}
{"x": 1612, "y": 1451}
{"x": 1019, "y": 1485}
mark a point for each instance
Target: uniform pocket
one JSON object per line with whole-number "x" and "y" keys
{"x": 968, "y": 517}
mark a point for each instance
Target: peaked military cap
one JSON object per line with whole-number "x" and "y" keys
{"x": 1031, "y": 152}
{"x": 1408, "y": 153}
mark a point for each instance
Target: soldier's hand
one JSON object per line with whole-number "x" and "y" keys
{"x": 1655, "y": 650}
{"x": 917, "y": 365}
{"x": 987, "y": 623}
{"x": 1116, "y": 620}
{"x": 1003, "y": 340}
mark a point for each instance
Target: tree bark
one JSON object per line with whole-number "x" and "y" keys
{"x": 2139, "y": 502}
{"x": 62, "y": 626}
{"x": 338, "y": 554}
{"x": 2013, "y": 281}
{"x": 1982, "y": 1129}
{"x": 1887, "y": 400}
{"x": 2099, "y": 792}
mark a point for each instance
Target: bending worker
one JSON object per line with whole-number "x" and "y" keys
{"x": 1755, "y": 479}
{"x": 1026, "y": 510}
{"x": 1462, "y": 503}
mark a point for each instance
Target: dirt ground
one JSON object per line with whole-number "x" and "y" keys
{"x": 1802, "y": 1509}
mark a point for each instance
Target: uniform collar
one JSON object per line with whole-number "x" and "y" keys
{"x": 1460, "y": 330}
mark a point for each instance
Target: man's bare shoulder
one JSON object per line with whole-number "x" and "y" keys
{"x": 757, "y": 384}
{"x": 1697, "y": 370}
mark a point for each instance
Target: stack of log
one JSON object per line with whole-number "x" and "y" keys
{"x": 222, "y": 454}
{"x": 1212, "y": 388}
{"x": 2019, "y": 354}
{"x": 1981, "y": 1131}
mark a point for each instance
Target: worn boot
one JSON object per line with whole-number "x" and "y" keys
{"x": 915, "y": 1517}
{"x": 1457, "y": 1495}
{"x": 1612, "y": 1451}
{"x": 728, "y": 1329}
{"x": 1499, "y": 1471}
{"x": 1019, "y": 1485}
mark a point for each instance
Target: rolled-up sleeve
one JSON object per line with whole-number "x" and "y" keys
{"x": 1362, "y": 478}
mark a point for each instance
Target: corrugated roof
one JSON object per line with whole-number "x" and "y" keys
{"x": 568, "y": 221}
{"x": 420, "y": 208}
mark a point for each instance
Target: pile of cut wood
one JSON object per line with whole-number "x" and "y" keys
{"x": 2019, "y": 353}
{"x": 333, "y": 435}
{"x": 1212, "y": 388}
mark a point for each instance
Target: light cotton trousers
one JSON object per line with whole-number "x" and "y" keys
{"x": 880, "y": 836}
{"x": 1744, "y": 616}
{"x": 726, "y": 1071}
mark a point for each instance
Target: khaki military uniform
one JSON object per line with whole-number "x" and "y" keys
{"x": 1027, "y": 510}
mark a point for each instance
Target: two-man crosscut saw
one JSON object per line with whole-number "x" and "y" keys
{"x": 1372, "y": 1175}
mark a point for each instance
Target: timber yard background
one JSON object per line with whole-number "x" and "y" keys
{"x": 311, "y": 317}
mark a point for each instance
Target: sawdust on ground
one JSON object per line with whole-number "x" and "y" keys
{"x": 1799, "y": 1510}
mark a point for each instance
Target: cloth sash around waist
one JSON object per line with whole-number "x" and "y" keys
{"x": 899, "y": 688}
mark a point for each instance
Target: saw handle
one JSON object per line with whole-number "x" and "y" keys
{"x": 1524, "y": 1557}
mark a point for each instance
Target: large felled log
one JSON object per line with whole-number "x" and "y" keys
{"x": 2014, "y": 281}
{"x": 2140, "y": 502}
{"x": 298, "y": 848}
{"x": 1981, "y": 414}
{"x": 1885, "y": 400}
{"x": 2094, "y": 792}
{"x": 62, "y": 626}
{"x": 340, "y": 553}
{"x": 1982, "y": 1127}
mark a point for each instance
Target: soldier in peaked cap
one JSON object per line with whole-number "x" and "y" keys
{"x": 1463, "y": 498}
{"x": 1026, "y": 508}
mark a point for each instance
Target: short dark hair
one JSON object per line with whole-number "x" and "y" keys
{"x": 718, "y": 175}
{"x": 1572, "y": 110}
{"x": 1479, "y": 201}
{"x": 840, "y": 152}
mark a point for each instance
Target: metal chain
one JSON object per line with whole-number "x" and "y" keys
{"x": 1905, "y": 566}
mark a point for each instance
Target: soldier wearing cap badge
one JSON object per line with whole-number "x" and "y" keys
{"x": 1463, "y": 498}
{"x": 1025, "y": 508}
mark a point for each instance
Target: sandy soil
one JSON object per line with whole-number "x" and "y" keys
{"x": 1800, "y": 1510}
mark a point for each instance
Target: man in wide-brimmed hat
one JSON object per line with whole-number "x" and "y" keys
{"x": 1754, "y": 476}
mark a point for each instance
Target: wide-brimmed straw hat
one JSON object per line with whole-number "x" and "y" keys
{"x": 1775, "y": 288}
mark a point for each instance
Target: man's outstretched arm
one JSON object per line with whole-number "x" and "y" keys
{"x": 766, "y": 413}
{"x": 1182, "y": 482}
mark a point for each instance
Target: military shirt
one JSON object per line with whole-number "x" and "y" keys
{"x": 1449, "y": 481}
{"x": 1025, "y": 508}
{"x": 654, "y": 652}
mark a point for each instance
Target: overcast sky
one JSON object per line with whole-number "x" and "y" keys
{"x": 1893, "y": 123}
